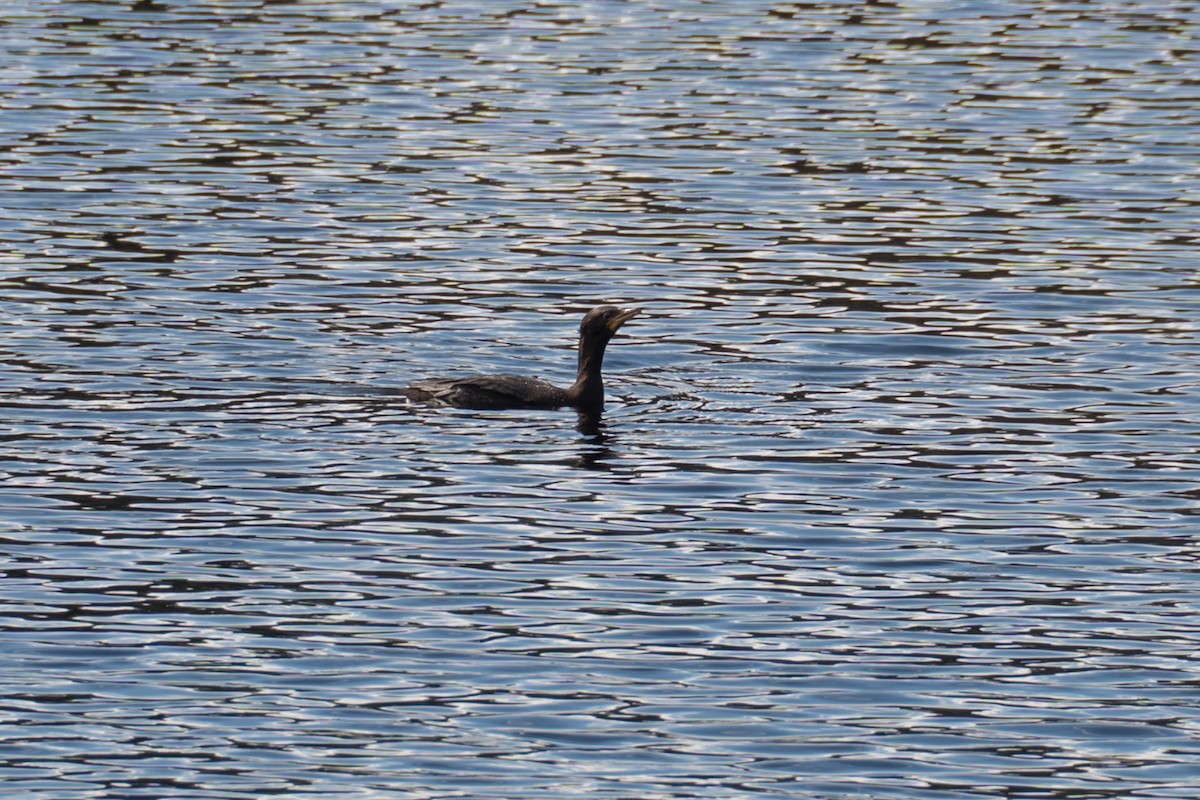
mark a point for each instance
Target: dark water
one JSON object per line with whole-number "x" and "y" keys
{"x": 896, "y": 493}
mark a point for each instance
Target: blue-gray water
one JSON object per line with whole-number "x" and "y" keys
{"x": 896, "y": 492}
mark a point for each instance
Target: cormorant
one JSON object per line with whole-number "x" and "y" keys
{"x": 517, "y": 391}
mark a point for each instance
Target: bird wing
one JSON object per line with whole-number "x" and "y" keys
{"x": 490, "y": 391}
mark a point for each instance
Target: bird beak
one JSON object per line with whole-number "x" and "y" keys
{"x": 623, "y": 317}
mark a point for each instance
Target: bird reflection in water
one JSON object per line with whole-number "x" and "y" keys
{"x": 596, "y": 451}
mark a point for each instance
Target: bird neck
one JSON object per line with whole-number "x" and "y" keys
{"x": 588, "y": 389}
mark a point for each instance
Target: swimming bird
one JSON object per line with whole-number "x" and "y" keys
{"x": 517, "y": 391}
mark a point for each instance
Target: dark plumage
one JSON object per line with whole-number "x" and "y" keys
{"x": 517, "y": 391}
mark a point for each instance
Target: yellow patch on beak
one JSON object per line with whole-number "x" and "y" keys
{"x": 620, "y": 319}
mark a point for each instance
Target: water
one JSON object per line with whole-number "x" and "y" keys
{"x": 894, "y": 497}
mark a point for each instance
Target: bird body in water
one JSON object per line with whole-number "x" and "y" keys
{"x": 517, "y": 391}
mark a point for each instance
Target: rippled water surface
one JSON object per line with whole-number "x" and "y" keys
{"x": 896, "y": 491}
